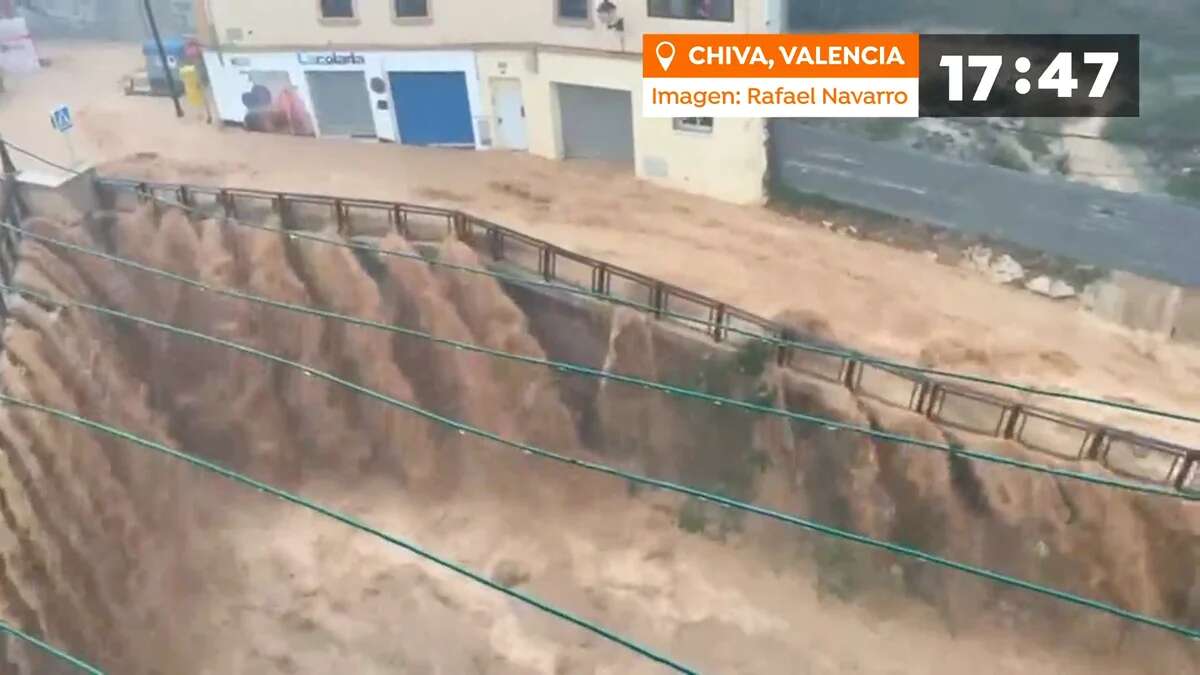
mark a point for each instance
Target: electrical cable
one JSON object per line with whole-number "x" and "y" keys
{"x": 831, "y": 424}
{"x": 41, "y": 159}
{"x": 777, "y": 342}
{"x": 57, "y": 653}
{"x": 528, "y": 449}
{"x": 351, "y": 521}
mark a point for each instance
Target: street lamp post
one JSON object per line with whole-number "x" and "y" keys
{"x": 162, "y": 55}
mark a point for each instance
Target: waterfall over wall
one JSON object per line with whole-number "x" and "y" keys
{"x": 144, "y": 564}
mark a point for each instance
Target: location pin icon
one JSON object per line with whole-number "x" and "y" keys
{"x": 665, "y": 51}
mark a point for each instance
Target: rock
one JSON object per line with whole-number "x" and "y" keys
{"x": 978, "y": 257}
{"x": 1002, "y": 270}
{"x": 509, "y": 573}
{"x": 1040, "y": 285}
{"x": 1061, "y": 289}
{"x": 1005, "y": 270}
{"x": 1051, "y": 288}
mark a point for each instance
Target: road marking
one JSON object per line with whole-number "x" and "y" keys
{"x": 877, "y": 182}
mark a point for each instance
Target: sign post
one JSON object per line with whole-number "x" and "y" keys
{"x": 60, "y": 119}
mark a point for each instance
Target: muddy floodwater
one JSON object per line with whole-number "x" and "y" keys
{"x": 143, "y": 564}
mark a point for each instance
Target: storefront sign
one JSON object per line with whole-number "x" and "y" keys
{"x": 331, "y": 59}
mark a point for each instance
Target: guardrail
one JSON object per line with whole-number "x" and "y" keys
{"x": 10, "y": 240}
{"x": 943, "y": 402}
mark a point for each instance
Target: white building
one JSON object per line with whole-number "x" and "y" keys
{"x": 548, "y": 76}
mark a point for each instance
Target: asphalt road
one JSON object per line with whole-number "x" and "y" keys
{"x": 1150, "y": 235}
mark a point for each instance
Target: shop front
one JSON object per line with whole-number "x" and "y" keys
{"x": 415, "y": 98}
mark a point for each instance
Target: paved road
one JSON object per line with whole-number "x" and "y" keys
{"x": 1153, "y": 236}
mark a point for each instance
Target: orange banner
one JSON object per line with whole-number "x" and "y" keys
{"x": 773, "y": 55}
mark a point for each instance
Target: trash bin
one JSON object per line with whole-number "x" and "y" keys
{"x": 176, "y": 49}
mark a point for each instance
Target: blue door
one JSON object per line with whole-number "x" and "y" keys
{"x": 432, "y": 108}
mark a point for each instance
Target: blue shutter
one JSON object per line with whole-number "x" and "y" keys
{"x": 432, "y": 108}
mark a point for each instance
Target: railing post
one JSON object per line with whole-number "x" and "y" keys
{"x": 926, "y": 394}
{"x": 850, "y": 377}
{"x": 150, "y": 197}
{"x": 340, "y": 216}
{"x": 546, "y": 262}
{"x": 1189, "y": 464}
{"x": 400, "y": 220}
{"x": 227, "y": 204}
{"x": 285, "y": 213}
{"x": 496, "y": 238}
{"x": 6, "y": 162}
{"x": 1014, "y": 416}
{"x": 718, "y": 329}
{"x": 11, "y": 213}
{"x": 600, "y": 279}
{"x": 185, "y": 196}
{"x": 658, "y": 299}
{"x": 1092, "y": 450}
{"x": 783, "y": 353}
{"x": 458, "y": 221}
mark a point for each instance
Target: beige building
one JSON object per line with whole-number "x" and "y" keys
{"x": 558, "y": 78}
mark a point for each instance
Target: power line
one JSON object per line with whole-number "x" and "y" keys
{"x": 57, "y": 653}
{"x": 612, "y": 471}
{"x": 684, "y": 392}
{"x": 39, "y": 158}
{"x": 353, "y": 522}
{"x": 777, "y": 342}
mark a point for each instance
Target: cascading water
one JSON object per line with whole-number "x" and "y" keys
{"x": 143, "y": 564}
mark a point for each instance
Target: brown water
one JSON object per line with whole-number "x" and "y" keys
{"x": 146, "y": 565}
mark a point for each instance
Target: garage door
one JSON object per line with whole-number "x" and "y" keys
{"x": 596, "y": 123}
{"x": 341, "y": 103}
{"x": 432, "y": 108}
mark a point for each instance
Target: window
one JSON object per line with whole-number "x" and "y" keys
{"x": 706, "y": 10}
{"x": 572, "y": 9}
{"x": 337, "y": 9}
{"x": 411, "y": 9}
{"x": 700, "y": 125}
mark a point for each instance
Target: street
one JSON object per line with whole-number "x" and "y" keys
{"x": 1150, "y": 235}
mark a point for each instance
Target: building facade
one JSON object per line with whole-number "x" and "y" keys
{"x": 557, "y": 78}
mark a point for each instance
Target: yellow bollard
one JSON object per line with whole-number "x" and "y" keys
{"x": 192, "y": 90}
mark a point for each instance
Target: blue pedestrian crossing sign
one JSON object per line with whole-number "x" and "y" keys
{"x": 60, "y": 119}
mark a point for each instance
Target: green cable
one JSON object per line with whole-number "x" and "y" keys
{"x": 778, "y": 342}
{"x": 353, "y": 522}
{"x": 79, "y": 664}
{"x": 605, "y": 469}
{"x": 831, "y": 424}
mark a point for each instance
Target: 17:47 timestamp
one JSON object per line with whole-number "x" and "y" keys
{"x": 1029, "y": 75}
{"x": 1057, "y": 77}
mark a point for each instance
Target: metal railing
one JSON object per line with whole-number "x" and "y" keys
{"x": 951, "y": 405}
